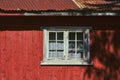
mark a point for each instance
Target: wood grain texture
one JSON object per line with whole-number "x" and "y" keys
{"x": 21, "y": 53}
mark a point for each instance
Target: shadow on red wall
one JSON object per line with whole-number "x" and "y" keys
{"x": 105, "y": 54}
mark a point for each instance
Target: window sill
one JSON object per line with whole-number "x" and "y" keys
{"x": 65, "y": 62}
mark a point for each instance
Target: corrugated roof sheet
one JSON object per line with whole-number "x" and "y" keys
{"x": 56, "y": 5}
{"x": 37, "y": 4}
{"x": 50, "y": 4}
{"x": 97, "y": 4}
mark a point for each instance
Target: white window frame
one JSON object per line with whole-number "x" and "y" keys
{"x": 65, "y": 61}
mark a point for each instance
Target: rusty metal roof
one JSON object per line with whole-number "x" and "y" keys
{"x": 37, "y": 4}
{"x": 99, "y": 4}
{"x": 18, "y": 5}
{"x": 55, "y": 4}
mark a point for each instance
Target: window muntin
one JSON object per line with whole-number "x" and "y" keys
{"x": 66, "y": 46}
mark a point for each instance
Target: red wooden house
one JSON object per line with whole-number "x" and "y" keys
{"x": 22, "y": 42}
{"x": 57, "y": 48}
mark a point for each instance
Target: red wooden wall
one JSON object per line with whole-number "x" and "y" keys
{"x": 21, "y": 52}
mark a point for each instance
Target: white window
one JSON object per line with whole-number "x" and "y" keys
{"x": 66, "y": 46}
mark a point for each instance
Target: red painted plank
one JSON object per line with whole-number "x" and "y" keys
{"x": 19, "y": 56}
{"x": 14, "y": 56}
{"x": 9, "y": 52}
{"x": 4, "y": 60}
{"x": 37, "y": 50}
{"x": 30, "y": 64}
{"x": 0, "y": 51}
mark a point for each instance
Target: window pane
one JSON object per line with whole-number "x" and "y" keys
{"x": 79, "y": 45}
{"x": 52, "y": 54}
{"x": 52, "y": 45}
{"x": 71, "y": 54}
{"x": 79, "y": 54}
{"x": 71, "y": 44}
{"x": 52, "y": 36}
{"x": 60, "y": 36}
{"x": 79, "y": 36}
{"x": 72, "y": 36}
{"x": 60, "y": 54}
{"x": 60, "y": 45}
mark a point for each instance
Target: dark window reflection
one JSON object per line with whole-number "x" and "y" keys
{"x": 71, "y": 44}
{"x": 60, "y": 36}
{"x": 52, "y": 36}
{"x": 72, "y": 36}
{"x": 79, "y": 36}
{"x": 79, "y": 45}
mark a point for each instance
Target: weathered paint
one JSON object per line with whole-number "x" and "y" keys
{"x": 22, "y": 50}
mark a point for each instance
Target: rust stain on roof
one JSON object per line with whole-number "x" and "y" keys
{"x": 37, "y": 4}
{"x": 99, "y": 4}
{"x": 52, "y": 4}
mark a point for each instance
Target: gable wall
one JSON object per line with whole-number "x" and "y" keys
{"x": 21, "y": 52}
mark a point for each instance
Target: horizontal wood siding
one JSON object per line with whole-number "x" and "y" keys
{"x": 21, "y": 53}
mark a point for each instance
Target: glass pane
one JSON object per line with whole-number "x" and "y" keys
{"x": 79, "y": 45}
{"x": 60, "y": 45}
{"x": 52, "y": 45}
{"x": 60, "y": 54}
{"x": 52, "y": 36}
{"x": 71, "y": 54}
{"x": 72, "y": 36}
{"x": 60, "y": 36}
{"x": 71, "y": 44}
{"x": 79, "y": 54}
{"x": 52, "y": 54}
{"x": 79, "y": 36}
